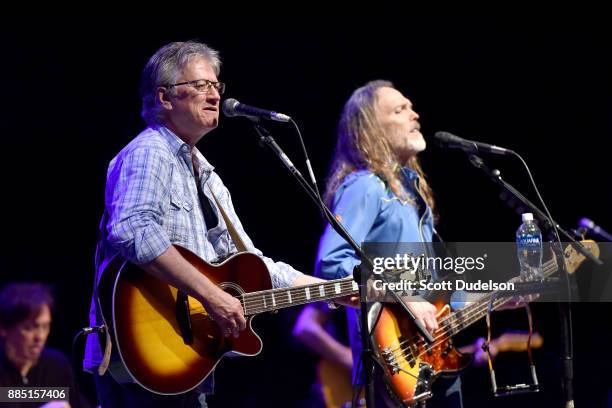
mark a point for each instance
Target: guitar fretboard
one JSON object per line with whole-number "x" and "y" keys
{"x": 461, "y": 319}
{"x": 274, "y": 299}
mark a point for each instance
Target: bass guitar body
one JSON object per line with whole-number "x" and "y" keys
{"x": 411, "y": 366}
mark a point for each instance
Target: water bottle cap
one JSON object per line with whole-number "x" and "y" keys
{"x": 527, "y": 217}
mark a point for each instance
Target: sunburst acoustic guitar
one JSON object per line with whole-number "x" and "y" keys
{"x": 166, "y": 342}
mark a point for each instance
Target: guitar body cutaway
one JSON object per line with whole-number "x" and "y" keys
{"x": 148, "y": 343}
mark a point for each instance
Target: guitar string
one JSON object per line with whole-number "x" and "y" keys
{"x": 300, "y": 299}
{"x": 255, "y": 298}
{"x": 346, "y": 289}
{"x": 304, "y": 299}
{"x": 448, "y": 330}
{"x": 549, "y": 267}
{"x": 412, "y": 359}
{"x": 441, "y": 337}
{"x": 281, "y": 295}
{"x": 255, "y": 303}
{"x": 472, "y": 315}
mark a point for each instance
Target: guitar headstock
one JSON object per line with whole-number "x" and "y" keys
{"x": 573, "y": 258}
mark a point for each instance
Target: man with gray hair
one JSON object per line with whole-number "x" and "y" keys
{"x": 161, "y": 191}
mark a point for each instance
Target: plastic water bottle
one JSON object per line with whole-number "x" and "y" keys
{"x": 529, "y": 249}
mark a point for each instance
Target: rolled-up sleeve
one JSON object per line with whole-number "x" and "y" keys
{"x": 356, "y": 206}
{"x": 137, "y": 188}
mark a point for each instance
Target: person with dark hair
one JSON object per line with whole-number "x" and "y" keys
{"x": 25, "y": 361}
{"x": 161, "y": 191}
{"x": 378, "y": 190}
{"x": 323, "y": 331}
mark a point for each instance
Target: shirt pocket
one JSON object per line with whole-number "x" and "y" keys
{"x": 179, "y": 218}
{"x": 223, "y": 244}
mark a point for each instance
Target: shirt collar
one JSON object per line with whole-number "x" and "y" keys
{"x": 409, "y": 174}
{"x": 180, "y": 148}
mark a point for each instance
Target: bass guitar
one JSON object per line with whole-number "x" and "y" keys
{"x": 410, "y": 366}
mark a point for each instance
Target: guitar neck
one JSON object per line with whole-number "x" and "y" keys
{"x": 462, "y": 319}
{"x": 274, "y": 299}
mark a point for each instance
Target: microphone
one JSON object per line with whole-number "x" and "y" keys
{"x": 446, "y": 139}
{"x": 595, "y": 229}
{"x": 231, "y": 107}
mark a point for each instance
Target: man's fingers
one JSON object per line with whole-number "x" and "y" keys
{"x": 431, "y": 317}
{"x": 428, "y": 324}
{"x": 231, "y": 329}
{"x": 241, "y": 323}
{"x": 431, "y": 323}
{"x": 425, "y": 313}
{"x": 234, "y": 327}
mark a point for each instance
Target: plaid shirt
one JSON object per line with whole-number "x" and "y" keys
{"x": 152, "y": 202}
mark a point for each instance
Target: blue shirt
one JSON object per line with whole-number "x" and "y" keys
{"x": 151, "y": 202}
{"x": 371, "y": 213}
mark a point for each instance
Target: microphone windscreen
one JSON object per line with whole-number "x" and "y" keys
{"x": 229, "y": 107}
{"x": 587, "y": 223}
{"x": 446, "y": 137}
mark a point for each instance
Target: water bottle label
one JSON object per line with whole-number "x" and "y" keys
{"x": 530, "y": 239}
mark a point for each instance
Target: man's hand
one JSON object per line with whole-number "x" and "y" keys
{"x": 226, "y": 311}
{"x": 349, "y": 301}
{"x": 424, "y": 312}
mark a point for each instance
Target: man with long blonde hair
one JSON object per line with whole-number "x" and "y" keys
{"x": 379, "y": 192}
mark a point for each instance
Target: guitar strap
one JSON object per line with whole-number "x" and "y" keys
{"x": 108, "y": 343}
{"x": 208, "y": 213}
{"x": 107, "y": 354}
{"x": 240, "y": 245}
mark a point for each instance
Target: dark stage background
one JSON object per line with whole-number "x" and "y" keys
{"x": 542, "y": 88}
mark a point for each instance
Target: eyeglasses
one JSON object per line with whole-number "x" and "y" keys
{"x": 203, "y": 85}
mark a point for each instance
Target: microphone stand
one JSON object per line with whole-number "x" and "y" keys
{"x": 564, "y": 307}
{"x": 495, "y": 175}
{"x": 359, "y": 273}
